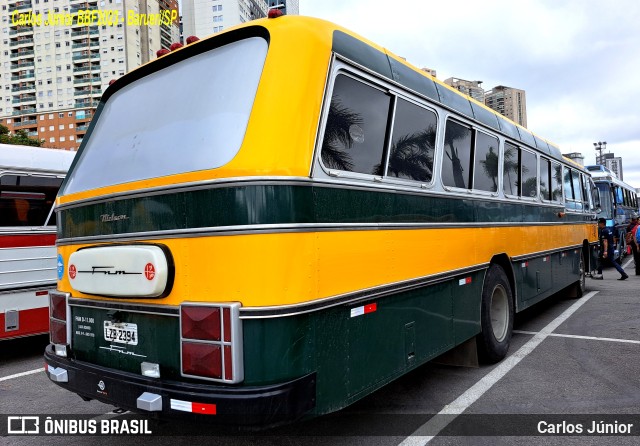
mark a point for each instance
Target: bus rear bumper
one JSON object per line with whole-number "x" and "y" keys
{"x": 231, "y": 405}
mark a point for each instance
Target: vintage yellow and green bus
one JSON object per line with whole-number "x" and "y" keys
{"x": 273, "y": 222}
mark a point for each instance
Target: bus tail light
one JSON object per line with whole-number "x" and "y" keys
{"x": 200, "y": 323}
{"x": 211, "y": 342}
{"x": 202, "y": 359}
{"x": 58, "y": 322}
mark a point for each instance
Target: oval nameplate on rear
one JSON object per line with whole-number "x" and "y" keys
{"x": 121, "y": 271}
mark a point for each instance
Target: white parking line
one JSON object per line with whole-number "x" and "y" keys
{"x": 462, "y": 403}
{"x": 18, "y": 375}
{"x": 627, "y": 264}
{"x": 591, "y": 338}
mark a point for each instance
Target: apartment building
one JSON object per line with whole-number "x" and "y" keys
{"x": 470, "y": 88}
{"x": 205, "y": 17}
{"x": 509, "y": 102}
{"x": 57, "y": 59}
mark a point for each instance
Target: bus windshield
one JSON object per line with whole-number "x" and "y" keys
{"x": 606, "y": 207}
{"x": 189, "y": 116}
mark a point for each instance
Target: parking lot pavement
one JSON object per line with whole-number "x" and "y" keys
{"x": 568, "y": 356}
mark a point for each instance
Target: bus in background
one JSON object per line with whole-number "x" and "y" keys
{"x": 618, "y": 201}
{"x": 29, "y": 181}
{"x": 224, "y": 266}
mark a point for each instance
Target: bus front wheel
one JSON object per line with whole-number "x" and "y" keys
{"x": 496, "y": 316}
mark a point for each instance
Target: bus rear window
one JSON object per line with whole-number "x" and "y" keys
{"x": 187, "y": 117}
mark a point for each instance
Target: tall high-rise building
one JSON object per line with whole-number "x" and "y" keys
{"x": 53, "y": 74}
{"x": 510, "y": 102}
{"x": 204, "y": 17}
{"x": 290, "y": 7}
{"x": 614, "y": 164}
{"x": 470, "y": 88}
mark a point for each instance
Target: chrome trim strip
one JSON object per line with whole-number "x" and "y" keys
{"x": 340, "y": 183}
{"x": 295, "y": 227}
{"x": 8, "y": 231}
{"x": 534, "y": 255}
{"x": 356, "y": 296}
{"x": 44, "y": 287}
{"x": 161, "y": 310}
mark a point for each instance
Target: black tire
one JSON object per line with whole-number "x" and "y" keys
{"x": 581, "y": 284}
{"x": 496, "y": 316}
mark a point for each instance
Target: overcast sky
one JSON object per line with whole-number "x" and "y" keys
{"x": 578, "y": 61}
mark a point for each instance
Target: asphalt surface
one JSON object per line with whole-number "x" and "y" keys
{"x": 575, "y": 361}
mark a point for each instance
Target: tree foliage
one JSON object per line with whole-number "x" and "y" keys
{"x": 20, "y": 137}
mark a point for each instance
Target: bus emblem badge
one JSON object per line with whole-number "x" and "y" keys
{"x": 60, "y": 267}
{"x": 149, "y": 271}
{"x": 72, "y": 271}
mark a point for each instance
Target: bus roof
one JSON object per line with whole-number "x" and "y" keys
{"x": 25, "y": 158}
{"x": 387, "y": 64}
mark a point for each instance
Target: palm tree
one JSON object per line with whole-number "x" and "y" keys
{"x": 411, "y": 156}
{"x": 453, "y": 133}
{"x": 337, "y": 137}
{"x": 490, "y": 166}
{"x": 529, "y": 186}
{"x": 511, "y": 164}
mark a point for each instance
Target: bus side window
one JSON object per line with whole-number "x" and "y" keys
{"x": 577, "y": 189}
{"x": 529, "y": 187}
{"x": 568, "y": 190}
{"x": 618, "y": 194}
{"x": 586, "y": 195}
{"x": 556, "y": 182}
{"x": 354, "y": 136}
{"x": 485, "y": 169}
{"x": 511, "y": 169}
{"x": 456, "y": 160}
{"x": 413, "y": 143}
{"x": 545, "y": 179}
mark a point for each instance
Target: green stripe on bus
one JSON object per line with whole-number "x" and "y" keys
{"x": 291, "y": 204}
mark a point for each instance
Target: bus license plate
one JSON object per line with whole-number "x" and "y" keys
{"x": 122, "y": 333}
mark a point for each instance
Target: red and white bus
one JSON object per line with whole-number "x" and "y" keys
{"x": 29, "y": 181}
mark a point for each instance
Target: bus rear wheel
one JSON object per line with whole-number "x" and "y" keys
{"x": 496, "y": 316}
{"x": 581, "y": 284}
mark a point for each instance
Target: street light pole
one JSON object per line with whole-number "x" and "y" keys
{"x": 600, "y": 146}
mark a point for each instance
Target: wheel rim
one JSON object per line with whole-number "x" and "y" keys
{"x": 499, "y": 313}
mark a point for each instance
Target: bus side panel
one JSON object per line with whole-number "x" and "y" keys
{"x": 540, "y": 279}
{"x": 363, "y": 346}
{"x": 467, "y": 298}
{"x": 279, "y": 349}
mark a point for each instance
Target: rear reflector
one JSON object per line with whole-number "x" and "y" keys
{"x": 200, "y": 323}
{"x": 57, "y": 332}
{"x": 202, "y": 359}
{"x": 58, "y": 306}
{"x": 188, "y": 406}
{"x": 359, "y": 311}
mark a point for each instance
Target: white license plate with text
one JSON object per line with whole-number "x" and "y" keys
{"x": 123, "y": 333}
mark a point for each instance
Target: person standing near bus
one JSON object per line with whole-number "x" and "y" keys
{"x": 632, "y": 240}
{"x": 606, "y": 251}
